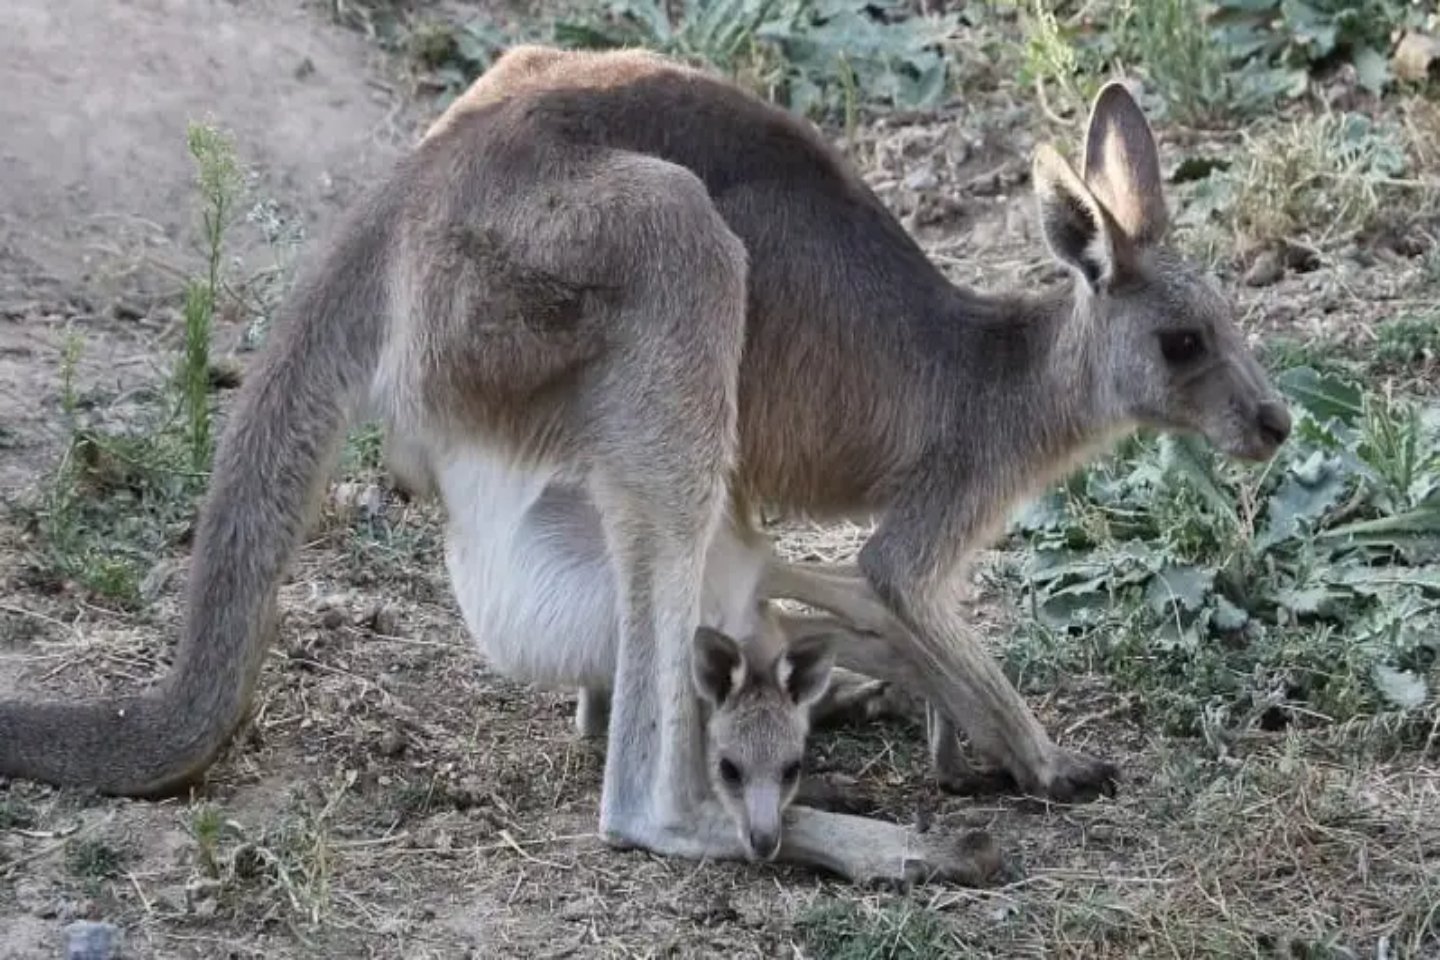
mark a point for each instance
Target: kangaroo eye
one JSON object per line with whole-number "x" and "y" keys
{"x": 791, "y": 773}
{"x": 1181, "y": 346}
{"x": 730, "y": 773}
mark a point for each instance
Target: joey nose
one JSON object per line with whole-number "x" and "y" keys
{"x": 764, "y": 844}
{"x": 1274, "y": 421}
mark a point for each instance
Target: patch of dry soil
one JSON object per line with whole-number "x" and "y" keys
{"x": 97, "y": 188}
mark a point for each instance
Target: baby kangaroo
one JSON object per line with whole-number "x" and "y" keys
{"x": 758, "y": 704}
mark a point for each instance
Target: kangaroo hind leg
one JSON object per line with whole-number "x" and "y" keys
{"x": 659, "y": 430}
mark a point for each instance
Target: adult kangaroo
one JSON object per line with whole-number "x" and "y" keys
{"x": 607, "y": 308}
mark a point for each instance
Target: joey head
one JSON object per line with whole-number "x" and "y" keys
{"x": 759, "y": 705}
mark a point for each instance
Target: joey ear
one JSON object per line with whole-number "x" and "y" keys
{"x": 1075, "y": 225}
{"x": 803, "y": 670}
{"x": 717, "y": 665}
{"x": 1122, "y": 165}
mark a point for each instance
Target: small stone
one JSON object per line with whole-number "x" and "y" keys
{"x": 88, "y": 940}
{"x": 1266, "y": 269}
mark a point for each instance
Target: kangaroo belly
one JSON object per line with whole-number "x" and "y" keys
{"x": 532, "y": 575}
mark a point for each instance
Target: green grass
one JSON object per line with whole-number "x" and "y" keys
{"x": 847, "y": 930}
{"x": 95, "y": 859}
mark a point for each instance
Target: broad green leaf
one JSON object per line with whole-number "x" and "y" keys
{"x": 1324, "y": 396}
{"x": 1372, "y": 580}
{"x": 1046, "y": 512}
{"x": 1302, "y": 498}
{"x": 1306, "y": 602}
{"x": 1421, "y": 520}
{"x": 1185, "y": 586}
{"x": 1371, "y": 68}
{"x": 1189, "y": 458}
{"x": 1401, "y": 688}
{"x": 1312, "y": 27}
{"x": 1227, "y": 617}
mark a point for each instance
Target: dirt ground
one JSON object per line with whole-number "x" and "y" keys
{"x": 394, "y": 798}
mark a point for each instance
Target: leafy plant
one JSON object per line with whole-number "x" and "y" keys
{"x": 1310, "y": 584}
{"x": 1293, "y": 36}
{"x": 1409, "y": 339}
{"x": 1201, "y": 78}
{"x": 812, "y": 55}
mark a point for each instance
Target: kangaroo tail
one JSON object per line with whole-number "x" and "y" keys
{"x": 271, "y": 460}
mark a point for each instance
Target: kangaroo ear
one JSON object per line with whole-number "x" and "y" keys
{"x": 717, "y": 666}
{"x": 1122, "y": 166}
{"x": 1075, "y": 224}
{"x": 803, "y": 670}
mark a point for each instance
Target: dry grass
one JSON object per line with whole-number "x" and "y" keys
{"x": 392, "y": 796}
{"x": 1322, "y": 180}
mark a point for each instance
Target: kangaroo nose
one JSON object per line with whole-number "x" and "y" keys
{"x": 764, "y": 844}
{"x": 1274, "y": 421}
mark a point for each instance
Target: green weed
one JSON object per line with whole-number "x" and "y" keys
{"x": 1176, "y": 48}
{"x": 94, "y": 859}
{"x": 818, "y": 57}
{"x": 207, "y": 827}
{"x": 220, "y": 184}
{"x": 15, "y": 814}
{"x": 844, "y": 930}
{"x": 122, "y": 497}
{"x": 1232, "y": 595}
{"x": 1291, "y": 37}
{"x": 814, "y": 56}
{"x": 1411, "y": 339}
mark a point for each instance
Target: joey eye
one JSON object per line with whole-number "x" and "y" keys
{"x": 729, "y": 773}
{"x": 1181, "y": 346}
{"x": 791, "y": 773}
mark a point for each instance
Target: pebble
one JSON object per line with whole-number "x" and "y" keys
{"x": 88, "y": 940}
